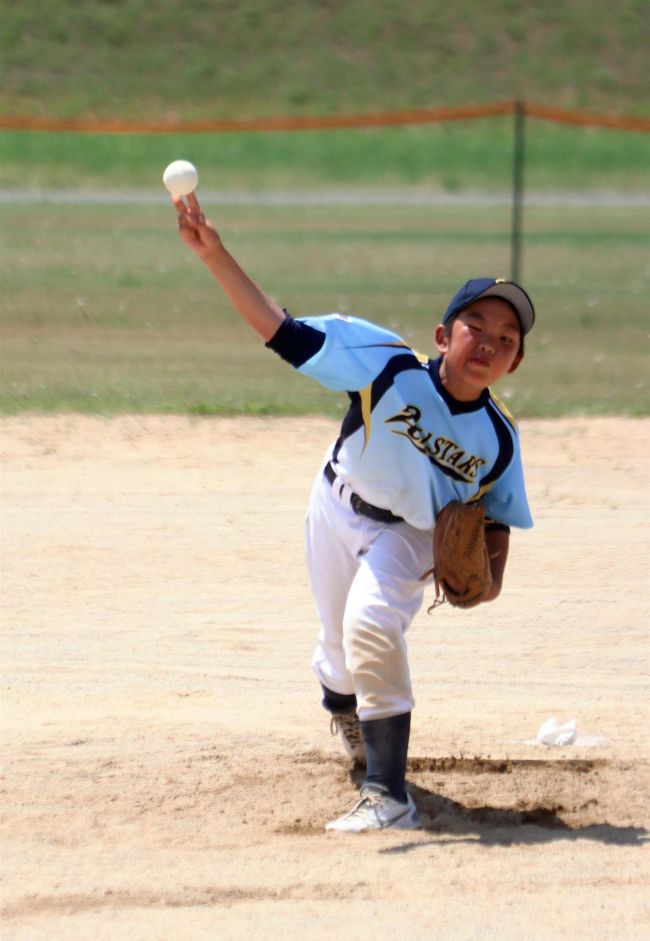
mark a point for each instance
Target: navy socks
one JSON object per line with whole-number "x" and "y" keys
{"x": 387, "y": 742}
{"x": 338, "y": 702}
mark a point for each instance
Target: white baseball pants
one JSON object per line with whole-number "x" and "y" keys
{"x": 365, "y": 577}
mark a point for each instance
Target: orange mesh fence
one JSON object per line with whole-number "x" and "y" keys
{"x": 583, "y": 119}
{"x": 299, "y": 123}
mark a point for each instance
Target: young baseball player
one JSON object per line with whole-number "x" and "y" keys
{"x": 418, "y": 434}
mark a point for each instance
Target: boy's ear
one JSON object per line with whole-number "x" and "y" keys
{"x": 441, "y": 339}
{"x": 517, "y": 360}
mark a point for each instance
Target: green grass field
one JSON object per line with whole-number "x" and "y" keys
{"x": 455, "y": 157}
{"x": 105, "y": 311}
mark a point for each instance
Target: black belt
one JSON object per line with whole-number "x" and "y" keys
{"x": 360, "y": 507}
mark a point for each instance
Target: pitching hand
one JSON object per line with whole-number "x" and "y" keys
{"x": 195, "y": 230}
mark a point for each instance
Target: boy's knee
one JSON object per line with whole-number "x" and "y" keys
{"x": 369, "y": 637}
{"x": 375, "y": 656}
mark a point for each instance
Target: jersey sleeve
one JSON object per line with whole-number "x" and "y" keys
{"x": 342, "y": 353}
{"x": 506, "y": 502}
{"x": 353, "y": 353}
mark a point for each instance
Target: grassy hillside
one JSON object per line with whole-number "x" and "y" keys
{"x": 227, "y": 58}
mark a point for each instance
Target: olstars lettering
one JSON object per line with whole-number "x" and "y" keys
{"x": 448, "y": 455}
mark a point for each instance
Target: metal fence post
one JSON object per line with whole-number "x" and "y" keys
{"x": 518, "y": 188}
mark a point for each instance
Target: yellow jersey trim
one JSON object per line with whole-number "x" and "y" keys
{"x": 365, "y": 396}
{"x": 509, "y": 417}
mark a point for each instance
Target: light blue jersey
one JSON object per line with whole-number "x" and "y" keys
{"x": 406, "y": 445}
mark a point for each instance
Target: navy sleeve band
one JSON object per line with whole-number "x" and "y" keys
{"x": 296, "y": 342}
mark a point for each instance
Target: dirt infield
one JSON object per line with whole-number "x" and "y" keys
{"x": 167, "y": 767}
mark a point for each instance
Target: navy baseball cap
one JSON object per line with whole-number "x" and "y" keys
{"x": 493, "y": 287}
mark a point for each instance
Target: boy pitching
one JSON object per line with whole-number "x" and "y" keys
{"x": 418, "y": 434}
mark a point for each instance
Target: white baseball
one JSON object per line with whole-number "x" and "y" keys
{"x": 181, "y": 178}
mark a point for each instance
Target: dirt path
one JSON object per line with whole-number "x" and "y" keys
{"x": 167, "y": 768}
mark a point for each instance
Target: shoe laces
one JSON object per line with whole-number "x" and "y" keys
{"x": 367, "y": 801}
{"x": 371, "y": 799}
{"x": 348, "y": 724}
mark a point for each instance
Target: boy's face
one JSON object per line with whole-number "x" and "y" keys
{"x": 481, "y": 347}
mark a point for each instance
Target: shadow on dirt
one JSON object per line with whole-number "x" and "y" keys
{"x": 535, "y": 823}
{"x": 530, "y": 820}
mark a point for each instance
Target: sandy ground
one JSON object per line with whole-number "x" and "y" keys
{"x": 167, "y": 767}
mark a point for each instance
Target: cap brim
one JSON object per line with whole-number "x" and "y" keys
{"x": 517, "y": 297}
